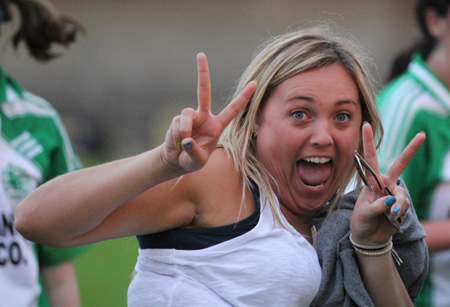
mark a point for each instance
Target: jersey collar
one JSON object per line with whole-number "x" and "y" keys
{"x": 7, "y": 83}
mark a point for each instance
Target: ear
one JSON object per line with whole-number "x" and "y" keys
{"x": 436, "y": 25}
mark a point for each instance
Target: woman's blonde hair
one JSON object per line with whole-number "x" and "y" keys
{"x": 277, "y": 60}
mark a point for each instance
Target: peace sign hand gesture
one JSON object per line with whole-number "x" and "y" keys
{"x": 194, "y": 134}
{"x": 368, "y": 225}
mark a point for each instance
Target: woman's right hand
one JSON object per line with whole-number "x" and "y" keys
{"x": 194, "y": 134}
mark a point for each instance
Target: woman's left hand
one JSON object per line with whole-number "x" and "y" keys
{"x": 368, "y": 224}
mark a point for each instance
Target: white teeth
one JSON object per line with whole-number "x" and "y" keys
{"x": 317, "y": 160}
{"x": 316, "y": 186}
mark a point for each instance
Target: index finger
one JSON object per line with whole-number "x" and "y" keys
{"x": 406, "y": 156}
{"x": 234, "y": 107}
{"x": 204, "y": 84}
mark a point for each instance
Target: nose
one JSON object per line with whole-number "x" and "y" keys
{"x": 321, "y": 135}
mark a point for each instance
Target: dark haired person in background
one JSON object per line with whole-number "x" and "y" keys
{"x": 418, "y": 99}
{"x": 34, "y": 148}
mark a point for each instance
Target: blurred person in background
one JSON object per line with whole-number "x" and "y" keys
{"x": 229, "y": 219}
{"x": 417, "y": 98}
{"x": 34, "y": 148}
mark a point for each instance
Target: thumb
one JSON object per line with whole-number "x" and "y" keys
{"x": 383, "y": 204}
{"x": 197, "y": 156}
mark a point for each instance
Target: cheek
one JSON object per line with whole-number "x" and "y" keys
{"x": 348, "y": 144}
{"x": 348, "y": 147}
{"x": 277, "y": 140}
{"x": 270, "y": 141}
{"x": 353, "y": 140}
{"x": 265, "y": 147}
{"x": 351, "y": 137}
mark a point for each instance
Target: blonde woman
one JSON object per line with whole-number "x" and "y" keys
{"x": 229, "y": 221}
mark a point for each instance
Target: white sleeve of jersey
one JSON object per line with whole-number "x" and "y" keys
{"x": 440, "y": 201}
{"x": 446, "y": 167}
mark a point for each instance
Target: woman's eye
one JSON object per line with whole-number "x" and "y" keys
{"x": 299, "y": 114}
{"x": 342, "y": 117}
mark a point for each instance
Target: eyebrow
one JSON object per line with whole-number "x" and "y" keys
{"x": 310, "y": 99}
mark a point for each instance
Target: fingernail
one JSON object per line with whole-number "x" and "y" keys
{"x": 188, "y": 145}
{"x": 179, "y": 146}
{"x": 392, "y": 217}
{"x": 256, "y": 82}
{"x": 396, "y": 209}
{"x": 390, "y": 201}
{"x": 423, "y": 132}
{"x": 365, "y": 122}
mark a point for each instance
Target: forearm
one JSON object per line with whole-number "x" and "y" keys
{"x": 77, "y": 202}
{"x": 438, "y": 225}
{"x": 382, "y": 280}
{"x": 438, "y": 235}
{"x": 61, "y": 286}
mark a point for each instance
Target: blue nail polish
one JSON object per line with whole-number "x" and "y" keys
{"x": 396, "y": 209}
{"x": 390, "y": 201}
{"x": 392, "y": 217}
{"x": 188, "y": 145}
{"x": 365, "y": 122}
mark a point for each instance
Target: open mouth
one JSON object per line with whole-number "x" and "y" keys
{"x": 314, "y": 171}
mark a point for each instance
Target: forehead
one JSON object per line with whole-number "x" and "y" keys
{"x": 328, "y": 81}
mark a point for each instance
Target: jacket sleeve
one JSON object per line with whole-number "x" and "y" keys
{"x": 341, "y": 283}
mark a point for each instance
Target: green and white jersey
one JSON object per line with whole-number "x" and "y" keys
{"x": 34, "y": 148}
{"x": 418, "y": 101}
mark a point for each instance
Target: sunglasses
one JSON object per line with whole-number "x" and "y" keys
{"x": 361, "y": 164}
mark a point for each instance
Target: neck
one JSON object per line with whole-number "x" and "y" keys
{"x": 301, "y": 223}
{"x": 439, "y": 63}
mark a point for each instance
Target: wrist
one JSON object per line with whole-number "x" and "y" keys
{"x": 372, "y": 247}
{"x": 168, "y": 167}
{"x": 376, "y": 250}
{"x": 154, "y": 169}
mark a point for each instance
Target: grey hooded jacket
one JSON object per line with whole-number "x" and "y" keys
{"x": 341, "y": 283}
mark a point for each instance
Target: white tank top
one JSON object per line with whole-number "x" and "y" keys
{"x": 267, "y": 266}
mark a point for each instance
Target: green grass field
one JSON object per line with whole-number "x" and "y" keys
{"x": 104, "y": 272}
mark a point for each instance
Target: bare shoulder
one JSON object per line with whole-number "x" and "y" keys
{"x": 218, "y": 192}
{"x": 218, "y": 171}
{"x": 219, "y": 164}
